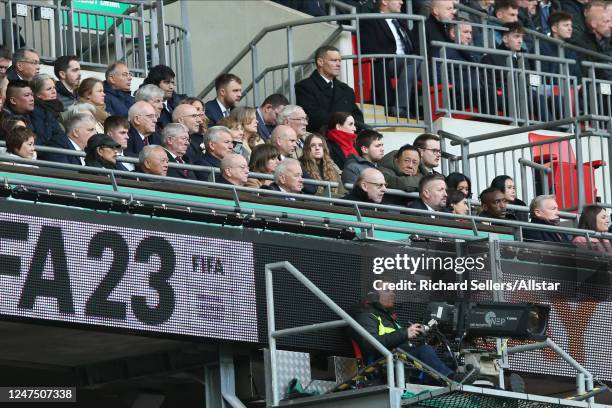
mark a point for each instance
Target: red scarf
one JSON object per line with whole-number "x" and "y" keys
{"x": 345, "y": 140}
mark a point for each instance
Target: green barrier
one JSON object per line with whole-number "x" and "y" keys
{"x": 378, "y": 234}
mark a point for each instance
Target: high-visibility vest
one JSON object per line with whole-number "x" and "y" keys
{"x": 382, "y": 329}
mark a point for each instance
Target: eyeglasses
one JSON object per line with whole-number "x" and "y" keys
{"x": 434, "y": 151}
{"x": 194, "y": 116}
{"x": 33, "y": 62}
{"x": 304, "y": 119}
{"x": 377, "y": 185}
{"x": 152, "y": 116}
{"x": 126, "y": 74}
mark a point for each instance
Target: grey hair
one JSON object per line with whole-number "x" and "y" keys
{"x": 146, "y": 153}
{"x": 80, "y": 107}
{"x": 537, "y": 202}
{"x": 76, "y": 120}
{"x": 19, "y": 55}
{"x": 135, "y": 110}
{"x": 148, "y": 92}
{"x": 112, "y": 69}
{"x": 214, "y": 134}
{"x": 282, "y": 167}
{"x": 172, "y": 130}
{"x": 38, "y": 82}
{"x": 286, "y": 113}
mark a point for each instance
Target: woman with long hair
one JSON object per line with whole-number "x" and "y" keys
{"x": 264, "y": 159}
{"x": 317, "y": 163}
{"x": 594, "y": 218}
{"x": 341, "y": 137}
{"x": 459, "y": 182}
{"x": 92, "y": 90}
{"x": 247, "y": 117}
{"x": 506, "y": 184}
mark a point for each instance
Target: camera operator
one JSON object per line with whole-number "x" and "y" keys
{"x": 376, "y": 315}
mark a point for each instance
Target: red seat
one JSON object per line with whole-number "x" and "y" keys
{"x": 366, "y": 74}
{"x": 560, "y": 157}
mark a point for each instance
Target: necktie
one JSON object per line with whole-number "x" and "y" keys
{"x": 403, "y": 35}
{"x": 145, "y": 140}
{"x": 181, "y": 161}
{"x": 226, "y": 113}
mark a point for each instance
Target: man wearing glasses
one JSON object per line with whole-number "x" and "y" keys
{"x": 429, "y": 148}
{"x": 370, "y": 187}
{"x": 142, "y": 133}
{"x": 117, "y": 89}
{"x": 26, "y": 64}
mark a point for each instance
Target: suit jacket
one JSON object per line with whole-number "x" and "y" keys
{"x": 319, "y": 101}
{"x": 376, "y": 38}
{"x": 11, "y": 74}
{"x": 213, "y": 112}
{"x": 61, "y": 142}
{"x": 210, "y": 161}
{"x": 265, "y": 132}
{"x": 135, "y": 142}
{"x": 194, "y": 151}
{"x": 418, "y": 204}
{"x": 179, "y": 173}
{"x": 546, "y": 236}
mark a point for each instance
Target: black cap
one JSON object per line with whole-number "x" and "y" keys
{"x": 100, "y": 140}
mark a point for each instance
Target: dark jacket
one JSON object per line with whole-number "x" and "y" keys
{"x": 44, "y": 124}
{"x": 394, "y": 177}
{"x": 117, "y": 102}
{"x": 194, "y": 151}
{"x": 62, "y": 142}
{"x": 319, "y": 101}
{"x": 353, "y": 166}
{"x": 135, "y": 142}
{"x": 367, "y": 315}
{"x": 213, "y": 112}
{"x": 576, "y": 10}
{"x": 359, "y": 195}
{"x": 540, "y": 235}
{"x": 418, "y": 204}
{"x": 11, "y": 74}
{"x": 551, "y": 49}
{"x": 165, "y": 116}
{"x": 425, "y": 171}
{"x": 264, "y": 130}
{"x": 207, "y": 160}
{"x": 66, "y": 97}
{"x": 435, "y": 31}
{"x": 376, "y": 38}
{"x": 502, "y": 61}
{"x": 180, "y": 173}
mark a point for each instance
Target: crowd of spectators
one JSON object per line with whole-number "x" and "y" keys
{"x": 322, "y": 137}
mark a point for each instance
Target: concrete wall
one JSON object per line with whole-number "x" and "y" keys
{"x": 220, "y": 29}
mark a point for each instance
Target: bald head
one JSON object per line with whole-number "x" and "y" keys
{"x": 235, "y": 169}
{"x": 143, "y": 117}
{"x": 285, "y": 140}
{"x": 372, "y": 181}
{"x": 443, "y": 10}
{"x": 187, "y": 115}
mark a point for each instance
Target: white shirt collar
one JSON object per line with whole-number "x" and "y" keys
{"x": 327, "y": 81}
{"x": 223, "y": 108}
{"x": 77, "y": 148}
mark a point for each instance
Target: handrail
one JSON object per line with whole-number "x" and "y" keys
{"x": 341, "y": 202}
{"x": 300, "y": 22}
{"x": 346, "y": 319}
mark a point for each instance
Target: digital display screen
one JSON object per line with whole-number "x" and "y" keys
{"x": 129, "y": 278}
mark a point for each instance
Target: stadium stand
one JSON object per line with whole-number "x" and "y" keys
{"x": 145, "y": 264}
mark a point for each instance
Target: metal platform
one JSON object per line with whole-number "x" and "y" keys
{"x": 468, "y": 396}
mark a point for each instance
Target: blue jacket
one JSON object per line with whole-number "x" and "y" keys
{"x": 213, "y": 112}
{"x": 117, "y": 102}
{"x": 44, "y": 124}
{"x": 62, "y": 142}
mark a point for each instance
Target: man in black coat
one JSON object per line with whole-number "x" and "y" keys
{"x": 544, "y": 211}
{"x": 432, "y": 194}
{"x": 391, "y": 36}
{"x": 142, "y": 132}
{"x": 322, "y": 94}
{"x": 175, "y": 140}
{"x": 370, "y": 187}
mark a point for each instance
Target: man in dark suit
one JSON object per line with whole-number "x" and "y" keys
{"x": 234, "y": 170}
{"x": 117, "y": 87}
{"x": 188, "y": 116}
{"x": 322, "y": 94}
{"x": 391, "y": 36}
{"x": 432, "y": 194}
{"x": 369, "y": 187}
{"x": 79, "y": 129}
{"x": 544, "y": 211}
{"x": 26, "y": 64}
{"x": 218, "y": 143}
{"x": 229, "y": 92}
{"x": 288, "y": 177}
{"x": 143, "y": 121}
{"x": 267, "y": 114}
{"x": 175, "y": 140}
{"x": 428, "y": 146}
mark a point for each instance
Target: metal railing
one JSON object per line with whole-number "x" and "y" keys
{"x": 368, "y": 228}
{"x": 138, "y": 36}
{"x": 571, "y": 159}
